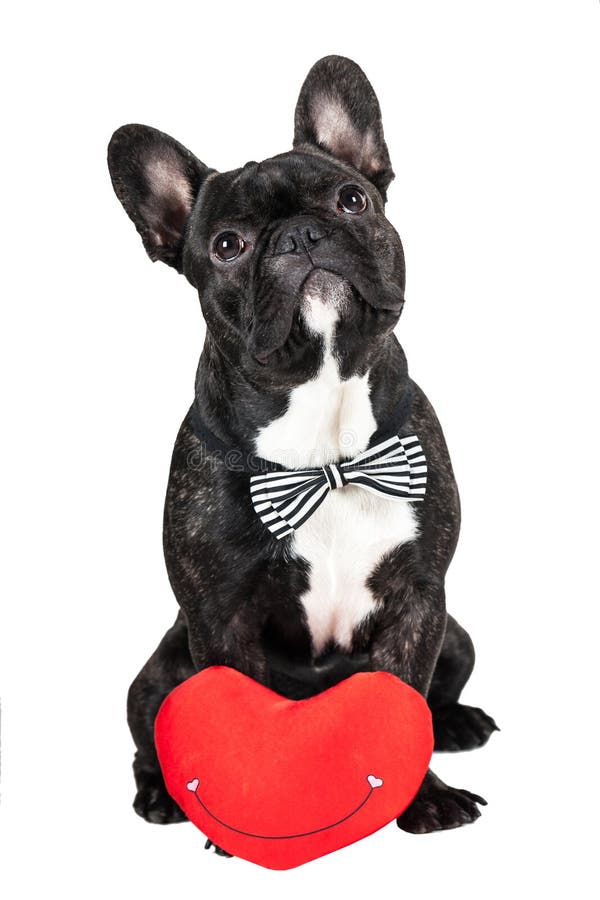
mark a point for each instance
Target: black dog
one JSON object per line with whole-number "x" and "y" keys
{"x": 301, "y": 282}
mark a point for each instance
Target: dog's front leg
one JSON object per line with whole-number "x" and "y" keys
{"x": 407, "y": 643}
{"x": 234, "y": 642}
{"x": 233, "y": 639}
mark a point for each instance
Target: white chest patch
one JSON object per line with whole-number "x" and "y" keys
{"x": 343, "y": 542}
{"x": 351, "y": 531}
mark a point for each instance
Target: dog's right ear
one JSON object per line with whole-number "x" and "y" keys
{"x": 157, "y": 180}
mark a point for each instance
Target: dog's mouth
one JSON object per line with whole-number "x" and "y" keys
{"x": 320, "y": 300}
{"x": 324, "y": 298}
{"x": 334, "y": 288}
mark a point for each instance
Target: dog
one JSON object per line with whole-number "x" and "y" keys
{"x": 301, "y": 283}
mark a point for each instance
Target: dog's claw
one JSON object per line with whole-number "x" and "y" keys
{"x": 474, "y": 797}
{"x": 218, "y": 850}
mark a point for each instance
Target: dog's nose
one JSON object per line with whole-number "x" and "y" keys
{"x": 299, "y": 238}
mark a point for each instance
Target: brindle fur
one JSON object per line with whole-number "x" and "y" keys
{"x": 237, "y": 587}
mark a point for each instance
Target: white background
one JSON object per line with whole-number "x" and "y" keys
{"x": 491, "y": 117}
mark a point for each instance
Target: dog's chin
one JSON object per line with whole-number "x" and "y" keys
{"x": 328, "y": 287}
{"x": 324, "y": 299}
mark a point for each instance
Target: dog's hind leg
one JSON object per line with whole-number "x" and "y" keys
{"x": 456, "y": 726}
{"x": 169, "y": 665}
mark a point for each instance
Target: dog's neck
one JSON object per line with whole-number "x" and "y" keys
{"x": 319, "y": 421}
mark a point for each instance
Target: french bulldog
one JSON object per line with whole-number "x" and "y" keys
{"x": 301, "y": 283}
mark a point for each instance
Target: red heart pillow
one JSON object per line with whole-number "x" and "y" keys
{"x": 280, "y": 782}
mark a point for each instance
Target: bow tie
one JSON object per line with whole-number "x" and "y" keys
{"x": 395, "y": 469}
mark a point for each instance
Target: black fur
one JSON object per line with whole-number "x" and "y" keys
{"x": 237, "y": 587}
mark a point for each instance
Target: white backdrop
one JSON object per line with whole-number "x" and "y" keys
{"x": 491, "y": 117}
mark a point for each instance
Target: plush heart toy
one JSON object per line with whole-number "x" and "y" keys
{"x": 280, "y": 782}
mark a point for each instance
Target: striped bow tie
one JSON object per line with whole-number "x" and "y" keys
{"x": 395, "y": 469}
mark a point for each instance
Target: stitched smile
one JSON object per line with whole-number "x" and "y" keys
{"x": 372, "y": 781}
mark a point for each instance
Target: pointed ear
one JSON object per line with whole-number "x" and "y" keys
{"x": 157, "y": 180}
{"x": 338, "y": 111}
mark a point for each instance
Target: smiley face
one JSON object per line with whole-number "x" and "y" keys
{"x": 373, "y": 783}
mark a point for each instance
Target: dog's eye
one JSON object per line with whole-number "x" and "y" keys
{"x": 228, "y": 246}
{"x": 352, "y": 200}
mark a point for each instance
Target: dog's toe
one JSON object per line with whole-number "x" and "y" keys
{"x": 439, "y": 809}
{"x": 154, "y": 804}
{"x": 460, "y": 727}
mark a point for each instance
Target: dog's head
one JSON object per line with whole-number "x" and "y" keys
{"x": 277, "y": 248}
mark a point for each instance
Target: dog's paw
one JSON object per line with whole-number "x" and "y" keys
{"x": 153, "y": 803}
{"x": 440, "y": 808}
{"x": 459, "y": 727}
{"x": 218, "y": 850}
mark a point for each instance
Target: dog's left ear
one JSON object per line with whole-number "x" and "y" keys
{"x": 339, "y": 112}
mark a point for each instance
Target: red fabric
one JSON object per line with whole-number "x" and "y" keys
{"x": 292, "y": 774}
